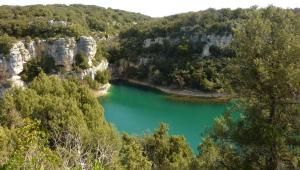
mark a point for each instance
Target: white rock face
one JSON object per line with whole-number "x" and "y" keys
{"x": 211, "y": 39}
{"x": 63, "y": 50}
{"x": 88, "y": 47}
{"x": 93, "y": 70}
{"x": 54, "y": 22}
{"x": 149, "y": 41}
{"x": 18, "y": 55}
{"x": 16, "y": 81}
{"x": 143, "y": 61}
{"x": 217, "y": 40}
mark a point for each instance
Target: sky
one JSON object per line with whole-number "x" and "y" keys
{"x": 160, "y": 8}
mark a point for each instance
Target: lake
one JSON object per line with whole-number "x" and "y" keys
{"x": 138, "y": 111}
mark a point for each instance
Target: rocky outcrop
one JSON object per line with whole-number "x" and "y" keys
{"x": 93, "y": 70}
{"x": 12, "y": 64}
{"x": 220, "y": 41}
{"x": 103, "y": 90}
{"x": 62, "y": 50}
{"x": 57, "y": 23}
{"x": 209, "y": 40}
{"x": 18, "y": 55}
{"x": 149, "y": 41}
{"x": 88, "y": 47}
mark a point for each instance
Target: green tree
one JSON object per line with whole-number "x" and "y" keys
{"x": 103, "y": 77}
{"x": 67, "y": 123}
{"x": 209, "y": 157}
{"x": 37, "y": 65}
{"x": 167, "y": 152}
{"x": 266, "y": 79}
{"x": 25, "y": 149}
{"x": 131, "y": 154}
{"x": 6, "y": 43}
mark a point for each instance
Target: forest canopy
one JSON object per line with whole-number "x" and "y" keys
{"x": 62, "y": 20}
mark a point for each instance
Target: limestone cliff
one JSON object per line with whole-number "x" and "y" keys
{"x": 208, "y": 39}
{"x": 217, "y": 40}
{"x": 62, "y": 50}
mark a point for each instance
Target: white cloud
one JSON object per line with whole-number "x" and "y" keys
{"x": 157, "y": 8}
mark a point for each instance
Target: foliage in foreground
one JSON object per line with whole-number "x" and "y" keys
{"x": 59, "y": 124}
{"x": 54, "y": 124}
{"x": 266, "y": 78}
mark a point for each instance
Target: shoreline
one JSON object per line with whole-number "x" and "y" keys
{"x": 177, "y": 93}
{"x": 102, "y": 91}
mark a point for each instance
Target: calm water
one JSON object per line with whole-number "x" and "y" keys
{"x": 137, "y": 111}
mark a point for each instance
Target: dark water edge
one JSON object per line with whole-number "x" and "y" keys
{"x": 124, "y": 82}
{"x": 174, "y": 97}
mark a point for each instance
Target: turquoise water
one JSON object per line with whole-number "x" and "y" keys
{"x": 138, "y": 111}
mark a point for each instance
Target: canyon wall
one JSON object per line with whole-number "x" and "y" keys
{"x": 209, "y": 40}
{"x": 62, "y": 50}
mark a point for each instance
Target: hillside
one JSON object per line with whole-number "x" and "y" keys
{"x": 185, "y": 51}
{"x": 61, "y": 20}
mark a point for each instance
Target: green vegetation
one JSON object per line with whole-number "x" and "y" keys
{"x": 131, "y": 154}
{"x": 266, "y": 78}
{"x": 61, "y": 20}
{"x": 103, "y": 77}
{"x": 167, "y": 152}
{"x": 176, "y": 58}
{"x": 54, "y": 124}
{"x": 59, "y": 124}
{"x": 93, "y": 84}
{"x": 102, "y": 52}
{"x": 6, "y": 43}
{"x": 37, "y": 65}
{"x": 81, "y": 61}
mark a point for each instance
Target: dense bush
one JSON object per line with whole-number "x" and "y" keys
{"x": 103, "y": 77}
{"x": 167, "y": 152}
{"x": 215, "y": 51}
{"x": 103, "y": 51}
{"x": 6, "y": 43}
{"x": 37, "y": 65}
{"x": 54, "y": 124}
{"x": 81, "y": 61}
{"x": 267, "y": 135}
{"x": 93, "y": 84}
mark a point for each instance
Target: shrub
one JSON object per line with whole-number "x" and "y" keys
{"x": 103, "y": 76}
{"x": 6, "y": 43}
{"x": 215, "y": 51}
{"x": 93, "y": 84}
{"x": 81, "y": 61}
{"x": 37, "y": 65}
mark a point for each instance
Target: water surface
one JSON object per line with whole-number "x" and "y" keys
{"x": 136, "y": 111}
